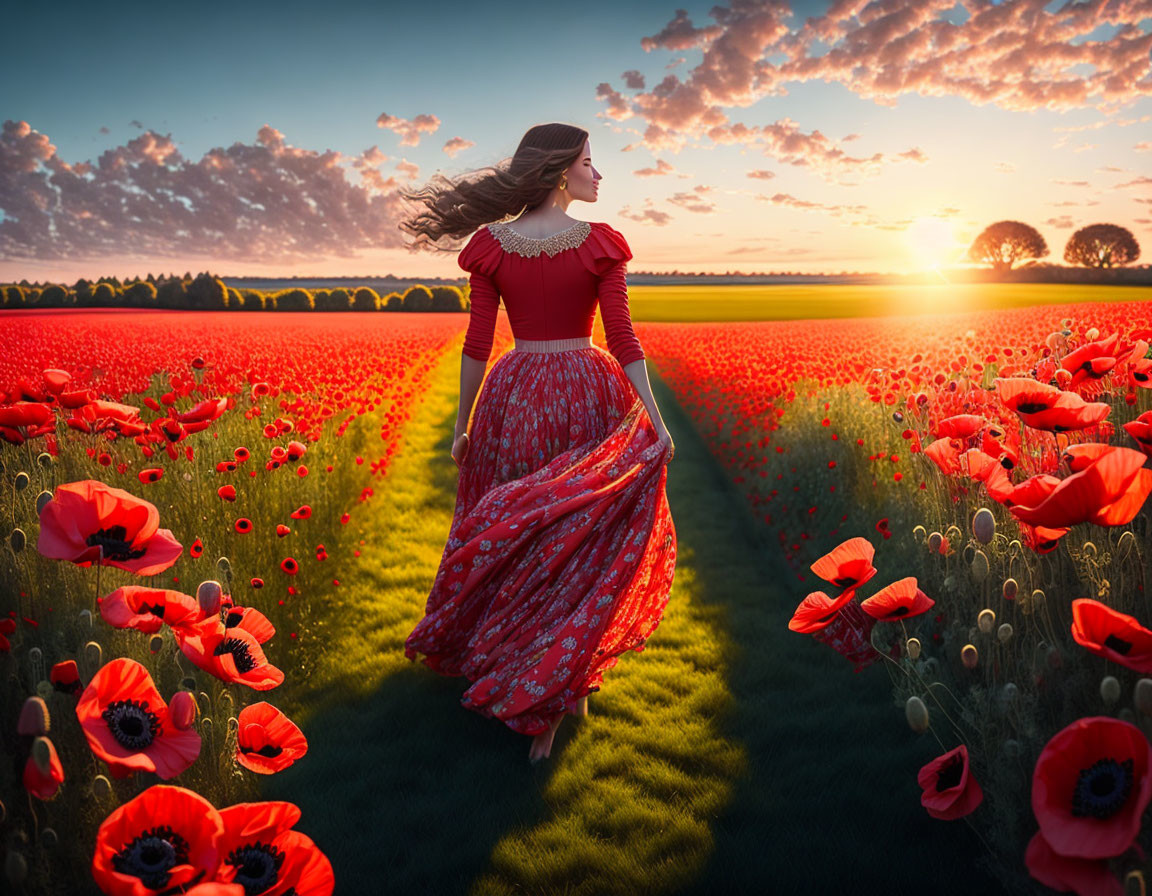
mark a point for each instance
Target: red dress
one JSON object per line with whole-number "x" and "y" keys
{"x": 562, "y": 550}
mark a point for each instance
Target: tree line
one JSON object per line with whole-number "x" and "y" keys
{"x": 205, "y": 292}
{"x": 1005, "y": 243}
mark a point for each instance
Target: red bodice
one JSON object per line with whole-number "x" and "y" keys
{"x": 550, "y": 286}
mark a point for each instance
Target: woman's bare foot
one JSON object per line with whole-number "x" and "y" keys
{"x": 542, "y": 743}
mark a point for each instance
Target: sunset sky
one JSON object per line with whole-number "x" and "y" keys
{"x": 271, "y": 138}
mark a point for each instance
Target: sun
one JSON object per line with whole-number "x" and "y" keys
{"x": 931, "y": 241}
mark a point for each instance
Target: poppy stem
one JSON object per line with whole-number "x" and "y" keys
{"x": 99, "y": 566}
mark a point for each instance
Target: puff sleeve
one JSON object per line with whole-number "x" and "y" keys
{"x": 480, "y": 258}
{"x": 605, "y": 253}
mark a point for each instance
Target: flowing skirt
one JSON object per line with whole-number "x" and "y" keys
{"x": 562, "y": 550}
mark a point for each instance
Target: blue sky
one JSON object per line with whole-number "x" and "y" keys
{"x": 94, "y": 79}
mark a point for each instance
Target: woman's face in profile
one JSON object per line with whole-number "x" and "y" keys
{"x": 583, "y": 178}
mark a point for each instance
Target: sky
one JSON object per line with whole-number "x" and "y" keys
{"x": 271, "y": 139}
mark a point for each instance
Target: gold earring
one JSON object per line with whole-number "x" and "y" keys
{"x": 563, "y": 185}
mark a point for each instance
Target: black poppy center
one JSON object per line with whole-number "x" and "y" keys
{"x": 258, "y": 866}
{"x": 1118, "y": 645}
{"x": 230, "y": 618}
{"x": 114, "y": 541}
{"x": 899, "y": 611}
{"x": 950, "y": 773}
{"x": 150, "y": 856}
{"x": 239, "y": 650}
{"x": 1031, "y": 407}
{"x": 844, "y": 581}
{"x": 268, "y": 750}
{"x": 132, "y": 724}
{"x": 154, "y": 609}
{"x": 1102, "y": 789}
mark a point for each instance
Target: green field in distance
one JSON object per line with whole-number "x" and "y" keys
{"x": 819, "y": 301}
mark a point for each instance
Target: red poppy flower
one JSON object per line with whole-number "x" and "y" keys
{"x": 243, "y": 525}
{"x": 7, "y": 627}
{"x": 899, "y": 600}
{"x": 1109, "y": 491}
{"x": 1047, "y": 407}
{"x": 950, "y": 791}
{"x": 150, "y": 474}
{"x": 817, "y": 610}
{"x": 250, "y": 619}
{"x": 1042, "y": 539}
{"x": 260, "y": 850}
{"x": 303, "y": 512}
{"x": 1092, "y": 360}
{"x": 44, "y": 785}
{"x": 945, "y": 453}
{"x": 1141, "y": 430}
{"x": 65, "y": 677}
{"x": 1111, "y": 634}
{"x": 215, "y": 888}
{"x": 197, "y": 549}
{"x": 984, "y": 468}
{"x": 146, "y": 609}
{"x": 232, "y": 655}
{"x": 1090, "y": 787}
{"x": 290, "y": 566}
{"x": 1141, "y": 374}
{"x": 127, "y": 725}
{"x": 267, "y": 741}
{"x": 1064, "y": 873}
{"x": 164, "y": 839}
{"x": 88, "y": 517}
{"x": 960, "y": 426}
{"x": 847, "y": 565}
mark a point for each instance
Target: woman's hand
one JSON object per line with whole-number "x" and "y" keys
{"x": 666, "y": 438}
{"x": 460, "y": 448}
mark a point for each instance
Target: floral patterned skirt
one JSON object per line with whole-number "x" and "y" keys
{"x": 562, "y": 550}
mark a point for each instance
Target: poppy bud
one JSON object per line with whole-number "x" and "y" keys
{"x": 913, "y": 648}
{"x": 1038, "y": 596}
{"x": 209, "y": 595}
{"x": 182, "y": 710}
{"x": 969, "y": 656}
{"x": 1010, "y": 589}
{"x": 917, "y": 714}
{"x": 952, "y": 533}
{"x": 21, "y": 481}
{"x": 34, "y": 718}
{"x": 92, "y": 656}
{"x": 1125, "y": 544}
{"x": 980, "y": 566}
{"x": 42, "y": 754}
{"x": 15, "y": 868}
{"x": 983, "y": 525}
{"x": 156, "y": 643}
{"x": 42, "y": 499}
{"x": 85, "y": 617}
{"x": 101, "y": 787}
{"x": 1089, "y": 549}
{"x": 1004, "y": 633}
{"x": 1142, "y": 696}
{"x": 17, "y": 540}
{"x": 45, "y": 460}
{"x": 1134, "y": 883}
{"x": 986, "y": 620}
{"x": 969, "y": 554}
{"x": 919, "y": 532}
{"x": 1092, "y": 335}
{"x": 1110, "y": 689}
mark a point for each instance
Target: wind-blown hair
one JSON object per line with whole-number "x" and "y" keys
{"x": 456, "y": 207}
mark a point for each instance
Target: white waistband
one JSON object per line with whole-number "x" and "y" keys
{"x": 553, "y": 345}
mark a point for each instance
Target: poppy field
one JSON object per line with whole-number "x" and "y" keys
{"x": 203, "y": 507}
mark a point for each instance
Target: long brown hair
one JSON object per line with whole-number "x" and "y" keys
{"x": 456, "y": 207}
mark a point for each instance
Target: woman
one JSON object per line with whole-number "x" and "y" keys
{"x": 562, "y": 550}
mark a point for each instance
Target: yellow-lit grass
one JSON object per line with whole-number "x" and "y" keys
{"x": 700, "y": 302}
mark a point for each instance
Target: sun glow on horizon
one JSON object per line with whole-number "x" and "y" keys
{"x": 931, "y": 241}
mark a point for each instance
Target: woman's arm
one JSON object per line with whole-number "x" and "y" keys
{"x": 638, "y": 373}
{"x": 471, "y": 376}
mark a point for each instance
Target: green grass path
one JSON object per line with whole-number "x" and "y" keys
{"x": 729, "y": 756}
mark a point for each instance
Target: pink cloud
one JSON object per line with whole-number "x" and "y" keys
{"x": 662, "y": 168}
{"x": 761, "y": 174}
{"x": 265, "y": 201}
{"x": 1016, "y": 55}
{"x": 409, "y": 129}
{"x": 409, "y": 169}
{"x": 1062, "y": 223}
{"x": 633, "y": 79}
{"x": 647, "y": 215}
{"x": 617, "y": 102}
{"x": 693, "y": 203}
{"x": 457, "y": 144}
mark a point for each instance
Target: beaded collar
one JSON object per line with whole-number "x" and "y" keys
{"x": 530, "y": 247}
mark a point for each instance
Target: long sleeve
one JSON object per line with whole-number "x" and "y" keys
{"x": 480, "y": 258}
{"x": 613, "y": 295}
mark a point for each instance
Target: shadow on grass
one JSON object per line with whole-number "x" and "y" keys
{"x": 830, "y": 802}
{"x": 402, "y": 788}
